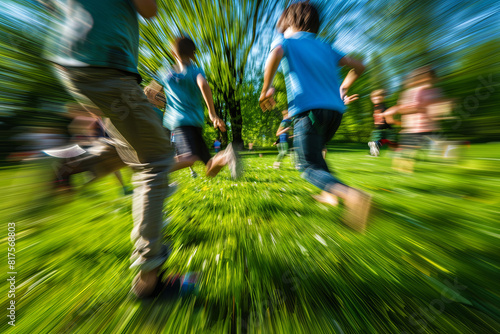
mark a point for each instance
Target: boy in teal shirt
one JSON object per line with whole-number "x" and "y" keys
{"x": 316, "y": 101}
{"x": 185, "y": 89}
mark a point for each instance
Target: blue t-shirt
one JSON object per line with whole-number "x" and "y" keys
{"x": 311, "y": 73}
{"x": 184, "y": 99}
{"x": 285, "y": 124}
{"x": 98, "y": 33}
{"x": 216, "y": 144}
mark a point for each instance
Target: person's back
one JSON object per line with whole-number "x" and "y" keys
{"x": 184, "y": 99}
{"x": 99, "y": 33}
{"x": 311, "y": 73}
{"x": 315, "y": 101}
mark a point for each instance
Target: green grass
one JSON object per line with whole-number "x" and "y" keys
{"x": 272, "y": 259}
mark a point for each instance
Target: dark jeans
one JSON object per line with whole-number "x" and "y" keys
{"x": 312, "y": 130}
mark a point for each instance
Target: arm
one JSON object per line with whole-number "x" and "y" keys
{"x": 207, "y": 96}
{"x": 418, "y": 104}
{"x": 281, "y": 130}
{"x": 266, "y": 100}
{"x": 357, "y": 69}
{"x": 147, "y": 8}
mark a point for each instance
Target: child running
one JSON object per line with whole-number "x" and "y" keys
{"x": 417, "y": 122}
{"x": 315, "y": 101}
{"x": 383, "y": 132}
{"x": 283, "y": 135}
{"x": 185, "y": 87}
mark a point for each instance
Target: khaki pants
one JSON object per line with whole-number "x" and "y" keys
{"x": 141, "y": 142}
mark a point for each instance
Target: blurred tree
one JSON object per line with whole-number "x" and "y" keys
{"x": 224, "y": 32}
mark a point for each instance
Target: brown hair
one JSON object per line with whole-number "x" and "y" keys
{"x": 378, "y": 92}
{"x": 184, "y": 47}
{"x": 302, "y": 16}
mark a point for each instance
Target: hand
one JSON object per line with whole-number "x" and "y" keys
{"x": 349, "y": 99}
{"x": 219, "y": 124}
{"x": 266, "y": 100}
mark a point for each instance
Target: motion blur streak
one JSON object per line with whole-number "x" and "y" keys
{"x": 270, "y": 257}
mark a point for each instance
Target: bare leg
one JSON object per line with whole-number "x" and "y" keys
{"x": 215, "y": 164}
{"x": 184, "y": 161}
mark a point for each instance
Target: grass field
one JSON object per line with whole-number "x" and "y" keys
{"x": 272, "y": 259}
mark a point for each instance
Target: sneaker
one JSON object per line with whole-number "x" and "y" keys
{"x": 194, "y": 175}
{"x": 172, "y": 188}
{"x": 373, "y": 149}
{"x": 276, "y": 165}
{"x": 233, "y": 162}
{"x": 358, "y": 205}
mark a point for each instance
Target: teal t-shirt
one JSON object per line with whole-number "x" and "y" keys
{"x": 311, "y": 72}
{"x": 97, "y": 33}
{"x": 184, "y": 99}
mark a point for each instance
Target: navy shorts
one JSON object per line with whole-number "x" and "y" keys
{"x": 189, "y": 141}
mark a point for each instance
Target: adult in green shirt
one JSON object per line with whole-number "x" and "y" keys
{"x": 97, "y": 59}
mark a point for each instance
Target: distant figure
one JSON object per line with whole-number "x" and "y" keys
{"x": 383, "y": 132}
{"x": 217, "y": 146}
{"x": 315, "y": 101}
{"x": 100, "y": 158}
{"x": 283, "y": 135}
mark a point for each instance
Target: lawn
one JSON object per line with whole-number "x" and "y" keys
{"x": 272, "y": 260}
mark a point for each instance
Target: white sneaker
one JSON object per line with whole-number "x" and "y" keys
{"x": 373, "y": 149}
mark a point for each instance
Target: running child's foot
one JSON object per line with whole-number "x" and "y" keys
{"x": 144, "y": 284}
{"x": 327, "y": 198}
{"x": 373, "y": 148}
{"x": 358, "y": 205}
{"x": 276, "y": 165}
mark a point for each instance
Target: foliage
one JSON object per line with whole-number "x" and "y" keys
{"x": 224, "y": 42}
{"x": 272, "y": 259}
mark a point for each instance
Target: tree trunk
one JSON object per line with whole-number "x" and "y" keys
{"x": 236, "y": 123}
{"x": 233, "y": 104}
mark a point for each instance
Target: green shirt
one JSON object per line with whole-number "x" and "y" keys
{"x": 184, "y": 98}
{"x": 98, "y": 33}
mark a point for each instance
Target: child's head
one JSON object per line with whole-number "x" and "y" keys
{"x": 377, "y": 96}
{"x": 184, "y": 48}
{"x": 300, "y": 16}
{"x": 424, "y": 75}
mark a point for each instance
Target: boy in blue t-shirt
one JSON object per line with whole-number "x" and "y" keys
{"x": 185, "y": 89}
{"x": 315, "y": 101}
